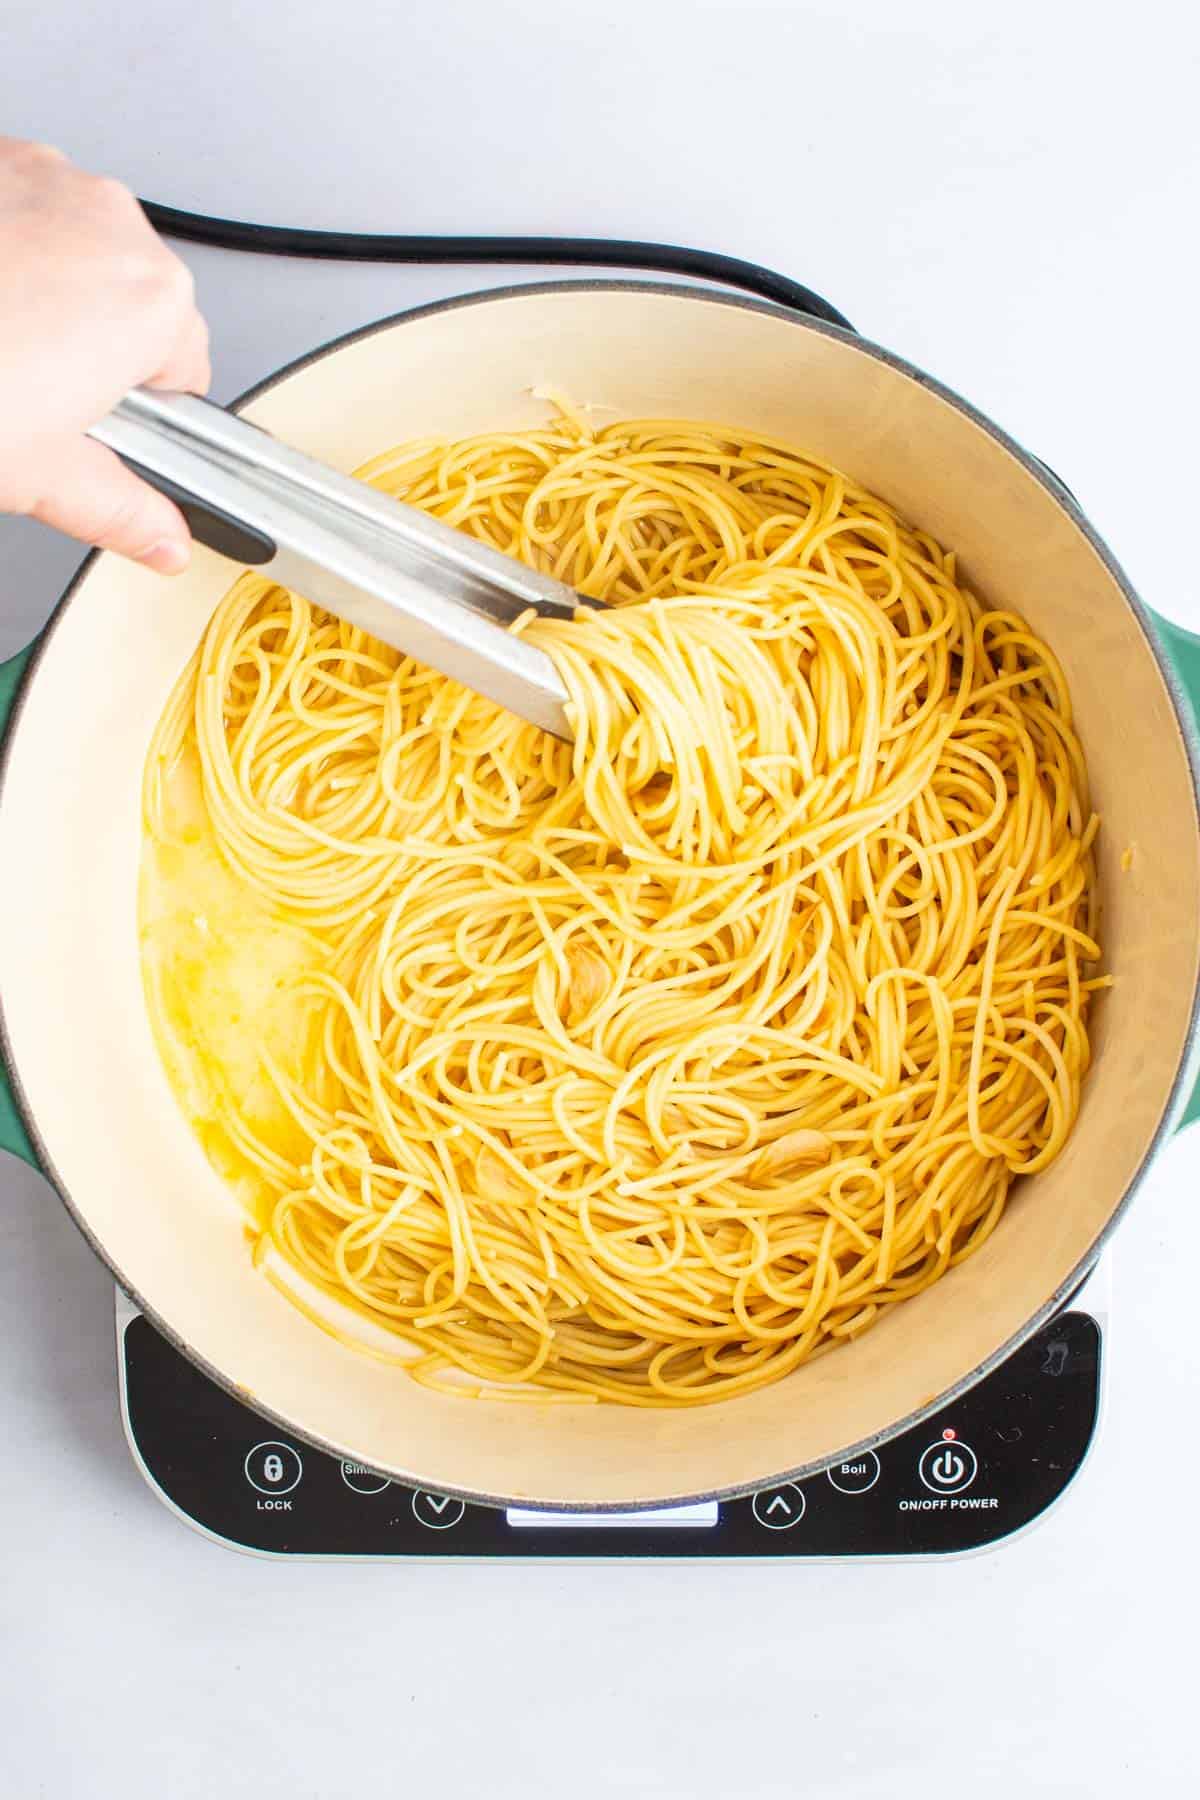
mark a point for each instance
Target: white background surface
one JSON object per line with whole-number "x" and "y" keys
{"x": 1008, "y": 195}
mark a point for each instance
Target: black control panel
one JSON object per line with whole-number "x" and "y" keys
{"x": 982, "y": 1469}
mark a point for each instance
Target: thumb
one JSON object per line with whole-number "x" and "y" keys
{"x": 93, "y": 496}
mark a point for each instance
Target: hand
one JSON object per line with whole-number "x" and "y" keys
{"x": 92, "y": 303}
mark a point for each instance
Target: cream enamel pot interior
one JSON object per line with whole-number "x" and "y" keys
{"x": 90, "y": 1092}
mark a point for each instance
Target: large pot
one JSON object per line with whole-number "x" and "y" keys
{"x": 89, "y": 1089}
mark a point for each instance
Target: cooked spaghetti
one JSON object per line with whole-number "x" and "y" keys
{"x": 644, "y": 1068}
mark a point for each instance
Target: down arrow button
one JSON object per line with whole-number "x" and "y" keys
{"x": 437, "y": 1512}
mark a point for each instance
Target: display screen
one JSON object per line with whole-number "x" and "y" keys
{"x": 702, "y": 1512}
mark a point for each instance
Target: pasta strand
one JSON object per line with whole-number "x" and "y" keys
{"x": 645, "y": 1068}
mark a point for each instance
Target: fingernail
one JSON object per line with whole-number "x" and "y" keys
{"x": 168, "y": 557}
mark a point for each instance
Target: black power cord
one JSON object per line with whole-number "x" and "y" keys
{"x": 595, "y": 253}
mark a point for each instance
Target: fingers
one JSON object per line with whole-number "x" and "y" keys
{"x": 92, "y": 303}
{"x": 22, "y": 152}
{"x": 94, "y": 497}
{"x": 90, "y": 294}
{"x": 187, "y": 369}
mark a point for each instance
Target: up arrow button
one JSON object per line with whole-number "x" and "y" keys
{"x": 779, "y": 1508}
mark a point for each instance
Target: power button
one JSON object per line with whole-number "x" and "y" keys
{"x": 948, "y": 1466}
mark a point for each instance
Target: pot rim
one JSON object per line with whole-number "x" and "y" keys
{"x": 1189, "y": 728}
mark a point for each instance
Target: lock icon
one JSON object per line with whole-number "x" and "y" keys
{"x": 273, "y": 1468}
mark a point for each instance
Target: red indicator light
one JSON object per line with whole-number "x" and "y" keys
{"x": 949, "y": 1435}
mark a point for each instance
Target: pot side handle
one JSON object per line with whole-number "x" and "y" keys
{"x": 13, "y": 1135}
{"x": 1183, "y": 656}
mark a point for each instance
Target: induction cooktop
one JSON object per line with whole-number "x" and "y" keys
{"x": 974, "y": 1476}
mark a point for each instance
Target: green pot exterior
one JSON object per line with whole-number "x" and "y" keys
{"x": 13, "y": 1135}
{"x": 1182, "y": 650}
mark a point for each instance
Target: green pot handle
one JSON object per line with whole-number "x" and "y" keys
{"x": 13, "y": 1135}
{"x": 1183, "y": 654}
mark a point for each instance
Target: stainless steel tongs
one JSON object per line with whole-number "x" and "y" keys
{"x": 407, "y": 579}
